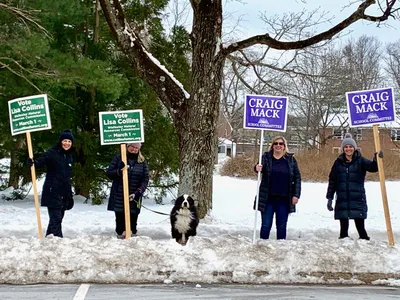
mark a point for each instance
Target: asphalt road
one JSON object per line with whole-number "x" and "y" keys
{"x": 189, "y": 291}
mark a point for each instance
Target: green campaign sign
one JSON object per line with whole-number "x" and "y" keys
{"x": 29, "y": 114}
{"x": 121, "y": 127}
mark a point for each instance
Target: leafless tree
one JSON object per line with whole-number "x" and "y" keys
{"x": 316, "y": 92}
{"x": 195, "y": 113}
{"x": 392, "y": 68}
{"x": 363, "y": 62}
{"x": 327, "y": 74}
{"x": 392, "y": 60}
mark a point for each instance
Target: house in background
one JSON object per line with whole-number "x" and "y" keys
{"x": 226, "y": 148}
{"x": 334, "y": 133}
{"x": 325, "y": 137}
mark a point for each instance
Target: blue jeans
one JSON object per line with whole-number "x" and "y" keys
{"x": 280, "y": 208}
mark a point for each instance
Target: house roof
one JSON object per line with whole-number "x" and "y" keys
{"x": 222, "y": 141}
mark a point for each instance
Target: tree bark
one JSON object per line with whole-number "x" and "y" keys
{"x": 13, "y": 180}
{"x": 196, "y": 124}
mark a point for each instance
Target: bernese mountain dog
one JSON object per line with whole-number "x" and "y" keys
{"x": 184, "y": 219}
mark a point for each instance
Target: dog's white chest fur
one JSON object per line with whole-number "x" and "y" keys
{"x": 183, "y": 218}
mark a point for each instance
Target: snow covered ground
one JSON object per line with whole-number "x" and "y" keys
{"x": 222, "y": 252}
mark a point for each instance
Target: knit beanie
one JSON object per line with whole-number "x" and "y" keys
{"x": 137, "y": 145}
{"x": 66, "y": 135}
{"x": 348, "y": 140}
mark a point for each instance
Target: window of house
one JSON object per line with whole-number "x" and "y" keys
{"x": 395, "y": 151}
{"x": 294, "y": 140}
{"x": 357, "y": 133}
{"x": 295, "y": 137}
{"x": 221, "y": 149}
{"x": 395, "y": 134}
{"x": 338, "y": 134}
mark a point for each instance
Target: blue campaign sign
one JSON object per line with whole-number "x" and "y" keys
{"x": 265, "y": 112}
{"x": 370, "y": 107}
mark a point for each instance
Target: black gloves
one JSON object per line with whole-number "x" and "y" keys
{"x": 70, "y": 202}
{"x": 121, "y": 165}
{"x": 30, "y": 162}
{"x": 329, "y": 205}
{"x": 138, "y": 194}
{"x": 380, "y": 154}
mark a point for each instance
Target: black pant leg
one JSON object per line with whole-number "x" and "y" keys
{"x": 119, "y": 222}
{"x": 134, "y": 218}
{"x": 360, "y": 225}
{"x": 344, "y": 228}
{"x": 56, "y": 216}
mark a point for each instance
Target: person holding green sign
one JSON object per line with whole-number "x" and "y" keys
{"x": 57, "y": 192}
{"x": 138, "y": 179}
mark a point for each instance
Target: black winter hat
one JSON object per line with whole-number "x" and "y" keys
{"x": 66, "y": 135}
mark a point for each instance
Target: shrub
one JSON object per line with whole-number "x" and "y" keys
{"x": 314, "y": 166}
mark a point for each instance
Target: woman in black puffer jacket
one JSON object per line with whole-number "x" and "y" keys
{"x": 138, "y": 179}
{"x": 280, "y": 188}
{"x": 56, "y": 193}
{"x": 346, "y": 179}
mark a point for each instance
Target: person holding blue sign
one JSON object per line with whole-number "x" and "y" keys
{"x": 280, "y": 187}
{"x": 346, "y": 179}
{"x": 138, "y": 179}
{"x": 57, "y": 192}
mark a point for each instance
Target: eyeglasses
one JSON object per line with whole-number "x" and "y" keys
{"x": 279, "y": 143}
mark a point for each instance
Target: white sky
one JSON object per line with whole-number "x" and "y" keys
{"x": 90, "y": 251}
{"x": 250, "y": 10}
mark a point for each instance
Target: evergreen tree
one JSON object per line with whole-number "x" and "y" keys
{"x": 82, "y": 76}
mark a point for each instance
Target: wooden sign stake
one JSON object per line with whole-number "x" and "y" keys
{"x": 35, "y": 194}
{"x": 383, "y": 186}
{"x": 126, "y": 193}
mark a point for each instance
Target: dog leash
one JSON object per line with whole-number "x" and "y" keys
{"x": 154, "y": 211}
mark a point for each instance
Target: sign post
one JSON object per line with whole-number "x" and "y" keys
{"x": 29, "y": 114}
{"x": 371, "y": 107}
{"x": 264, "y": 112}
{"x": 122, "y": 127}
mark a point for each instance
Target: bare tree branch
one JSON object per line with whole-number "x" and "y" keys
{"x": 266, "y": 39}
{"x": 148, "y": 67}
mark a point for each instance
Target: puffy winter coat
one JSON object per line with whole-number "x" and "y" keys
{"x": 346, "y": 179}
{"x": 57, "y": 186}
{"x": 294, "y": 182}
{"x": 138, "y": 179}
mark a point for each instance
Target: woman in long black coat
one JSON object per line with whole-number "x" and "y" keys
{"x": 346, "y": 179}
{"x": 57, "y": 192}
{"x": 138, "y": 179}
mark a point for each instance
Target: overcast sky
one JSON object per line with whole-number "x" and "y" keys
{"x": 250, "y": 11}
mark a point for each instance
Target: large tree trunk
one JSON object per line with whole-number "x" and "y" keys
{"x": 13, "y": 180}
{"x": 196, "y": 125}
